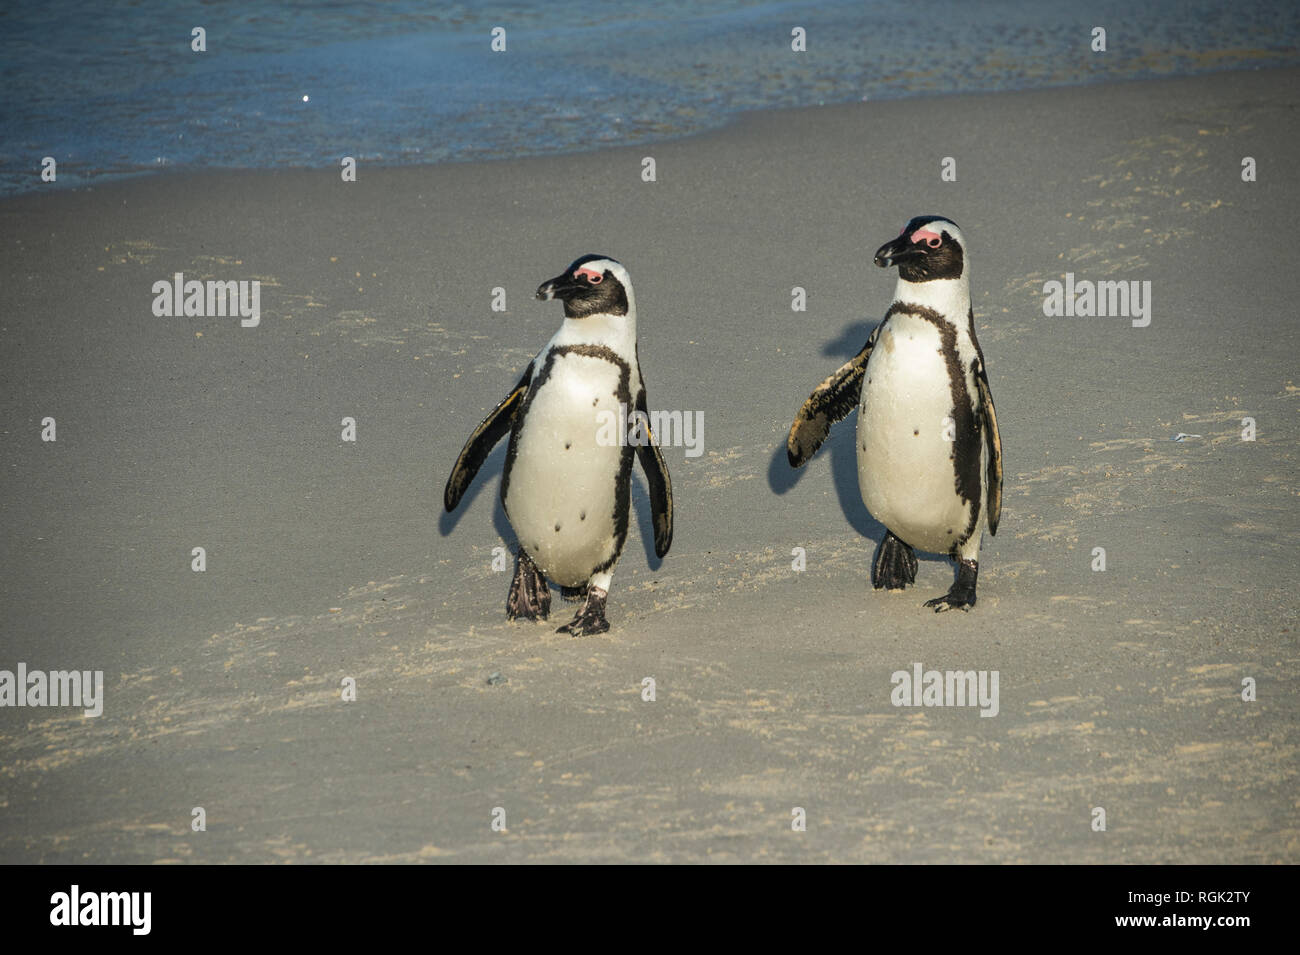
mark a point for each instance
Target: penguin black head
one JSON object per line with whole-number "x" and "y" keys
{"x": 927, "y": 248}
{"x": 592, "y": 285}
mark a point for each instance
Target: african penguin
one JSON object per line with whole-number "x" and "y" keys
{"x": 566, "y": 487}
{"x": 929, "y": 453}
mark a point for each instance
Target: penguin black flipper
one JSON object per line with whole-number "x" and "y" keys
{"x": 480, "y": 444}
{"x": 657, "y": 482}
{"x": 993, "y": 495}
{"x": 830, "y": 402}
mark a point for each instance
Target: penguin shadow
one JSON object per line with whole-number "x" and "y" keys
{"x": 645, "y": 520}
{"x": 493, "y": 466}
{"x": 840, "y": 445}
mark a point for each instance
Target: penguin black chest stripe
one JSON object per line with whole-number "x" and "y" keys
{"x": 622, "y": 393}
{"x": 968, "y": 437}
{"x": 557, "y": 373}
{"x": 623, "y": 482}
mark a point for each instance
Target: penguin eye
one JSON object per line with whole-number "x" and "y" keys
{"x": 934, "y": 243}
{"x": 591, "y": 275}
{"x": 595, "y": 279}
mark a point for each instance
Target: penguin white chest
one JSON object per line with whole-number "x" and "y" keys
{"x": 567, "y": 477}
{"x": 905, "y": 445}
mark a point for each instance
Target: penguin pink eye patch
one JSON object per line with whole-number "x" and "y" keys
{"x": 932, "y": 239}
{"x": 592, "y": 276}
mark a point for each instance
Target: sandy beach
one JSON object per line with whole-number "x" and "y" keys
{"x": 329, "y": 560}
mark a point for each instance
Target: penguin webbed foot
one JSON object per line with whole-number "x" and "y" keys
{"x": 962, "y": 594}
{"x": 591, "y": 618}
{"x": 895, "y": 565}
{"x": 530, "y": 596}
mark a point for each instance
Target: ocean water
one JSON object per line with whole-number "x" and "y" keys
{"x": 115, "y": 89}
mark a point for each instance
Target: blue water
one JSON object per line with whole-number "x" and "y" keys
{"x": 118, "y": 91}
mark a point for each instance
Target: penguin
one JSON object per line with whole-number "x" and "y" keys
{"x": 928, "y": 448}
{"x": 567, "y": 486}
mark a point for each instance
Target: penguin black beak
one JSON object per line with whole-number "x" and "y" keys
{"x": 563, "y": 287}
{"x": 894, "y": 253}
